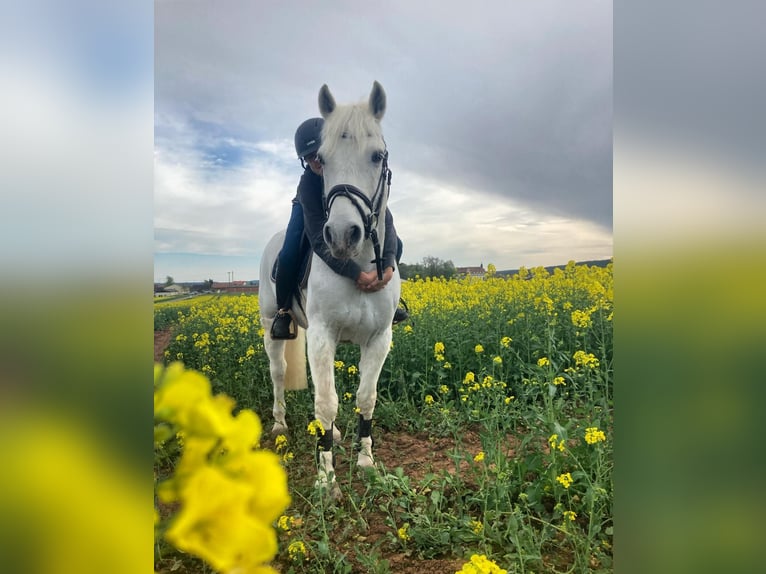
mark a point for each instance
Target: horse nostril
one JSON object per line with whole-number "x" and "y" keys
{"x": 355, "y": 234}
{"x": 327, "y": 235}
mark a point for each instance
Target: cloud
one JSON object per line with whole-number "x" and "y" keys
{"x": 498, "y": 121}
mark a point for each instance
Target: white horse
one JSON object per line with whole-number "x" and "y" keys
{"x": 356, "y": 185}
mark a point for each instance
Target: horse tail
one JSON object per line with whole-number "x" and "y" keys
{"x": 296, "y": 377}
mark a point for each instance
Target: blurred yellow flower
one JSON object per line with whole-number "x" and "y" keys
{"x": 297, "y": 550}
{"x": 402, "y": 532}
{"x": 478, "y": 349}
{"x": 479, "y": 456}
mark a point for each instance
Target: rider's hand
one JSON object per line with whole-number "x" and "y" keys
{"x": 368, "y": 280}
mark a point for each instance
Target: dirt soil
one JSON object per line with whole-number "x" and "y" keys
{"x": 161, "y": 341}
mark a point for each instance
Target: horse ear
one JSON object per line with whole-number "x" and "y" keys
{"x": 377, "y": 101}
{"x": 326, "y": 101}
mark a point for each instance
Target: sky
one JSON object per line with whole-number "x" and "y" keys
{"x": 498, "y": 125}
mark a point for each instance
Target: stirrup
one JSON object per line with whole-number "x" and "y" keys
{"x": 291, "y": 331}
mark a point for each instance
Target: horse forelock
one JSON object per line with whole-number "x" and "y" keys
{"x": 354, "y": 122}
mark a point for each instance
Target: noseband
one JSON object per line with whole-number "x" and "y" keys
{"x": 360, "y": 201}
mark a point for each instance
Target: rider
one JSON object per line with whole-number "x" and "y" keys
{"x": 308, "y": 215}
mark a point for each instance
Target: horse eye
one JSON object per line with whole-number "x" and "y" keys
{"x": 320, "y": 159}
{"x": 377, "y": 157}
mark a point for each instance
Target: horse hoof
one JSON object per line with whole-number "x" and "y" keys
{"x": 278, "y": 429}
{"x": 365, "y": 460}
{"x": 328, "y": 489}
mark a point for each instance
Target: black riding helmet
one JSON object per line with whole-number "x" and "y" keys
{"x": 308, "y": 137}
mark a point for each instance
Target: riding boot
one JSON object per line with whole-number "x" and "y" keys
{"x": 282, "y": 327}
{"x": 401, "y": 313}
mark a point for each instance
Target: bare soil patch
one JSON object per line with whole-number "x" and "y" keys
{"x": 161, "y": 342}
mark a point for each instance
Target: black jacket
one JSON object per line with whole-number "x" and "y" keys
{"x": 309, "y": 195}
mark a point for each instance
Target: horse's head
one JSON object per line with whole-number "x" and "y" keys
{"x": 354, "y": 165}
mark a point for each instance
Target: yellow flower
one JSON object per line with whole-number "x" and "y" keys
{"x": 477, "y": 526}
{"x": 215, "y": 523}
{"x": 479, "y": 456}
{"x": 480, "y": 564}
{"x": 569, "y": 514}
{"x": 543, "y": 361}
{"x": 285, "y": 523}
{"x": 581, "y": 319}
{"x": 478, "y": 349}
{"x": 429, "y": 400}
{"x": 506, "y": 342}
{"x": 297, "y": 550}
{"x": 469, "y": 377}
{"x": 402, "y": 532}
{"x": 447, "y": 365}
{"x": 593, "y": 435}
{"x": 559, "y": 381}
{"x": 438, "y": 348}
{"x": 583, "y": 359}
{"x": 352, "y": 370}
{"x": 280, "y": 442}
{"x": 444, "y": 389}
{"x": 565, "y": 479}
{"x": 314, "y": 427}
{"x": 339, "y": 365}
{"x": 498, "y": 360}
{"x": 408, "y": 328}
{"x": 347, "y": 396}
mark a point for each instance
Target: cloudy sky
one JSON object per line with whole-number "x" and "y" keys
{"x": 499, "y": 125}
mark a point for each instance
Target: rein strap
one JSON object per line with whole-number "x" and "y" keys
{"x": 370, "y": 219}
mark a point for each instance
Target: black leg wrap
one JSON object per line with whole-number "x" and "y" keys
{"x": 365, "y": 428}
{"x": 324, "y": 443}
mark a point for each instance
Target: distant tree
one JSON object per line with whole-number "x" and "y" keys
{"x": 491, "y": 270}
{"x": 430, "y": 267}
{"x": 169, "y": 280}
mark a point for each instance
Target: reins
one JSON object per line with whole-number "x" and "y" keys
{"x": 370, "y": 219}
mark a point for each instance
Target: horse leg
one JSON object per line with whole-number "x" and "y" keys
{"x": 321, "y": 353}
{"x": 372, "y": 357}
{"x": 277, "y": 367}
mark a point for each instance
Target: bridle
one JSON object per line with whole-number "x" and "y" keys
{"x": 360, "y": 201}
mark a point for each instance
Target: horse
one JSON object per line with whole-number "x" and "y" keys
{"x": 331, "y": 308}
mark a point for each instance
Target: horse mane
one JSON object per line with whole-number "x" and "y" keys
{"x": 352, "y": 121}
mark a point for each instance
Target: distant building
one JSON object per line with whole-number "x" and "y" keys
{"x": 235, "y": 287}
{"x": 478, "y": 272}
